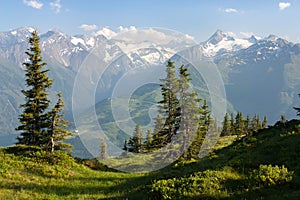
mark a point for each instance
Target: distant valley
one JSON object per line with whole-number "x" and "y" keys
{"x": 261, "y": 75}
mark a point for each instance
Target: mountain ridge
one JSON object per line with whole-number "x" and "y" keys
{"x": 257, "y": 64}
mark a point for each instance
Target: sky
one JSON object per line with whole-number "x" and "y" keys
{"x": 198, "y": 18}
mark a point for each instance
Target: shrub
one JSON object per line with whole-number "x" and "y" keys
{"x": 267, "y": 175}
{"x": 204, "y": 185}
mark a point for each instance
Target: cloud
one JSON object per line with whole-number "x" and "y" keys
{"x": 231, "y": 10}
{"x": 125, "y": 29}
{"x": 33, "y": 3}
{"x": 284, "y": 5}
{"x": 56, "y": 6}
{"x": 88, "y": 27}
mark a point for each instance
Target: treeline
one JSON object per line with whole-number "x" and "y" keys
{"x": 183, "y": 117}
{"x": 238, "y": 125}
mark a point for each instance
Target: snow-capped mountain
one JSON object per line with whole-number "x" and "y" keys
{"x": 221, "y": 43}
{"x": 256, "y": 70}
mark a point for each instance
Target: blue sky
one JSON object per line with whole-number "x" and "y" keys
{"x": 199, "y": 18}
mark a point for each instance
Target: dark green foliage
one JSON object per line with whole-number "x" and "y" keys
{"x": 232, "y": 124}
{"x": 135, "y": 142}
{"x": 264, "y": 123}
{"x": 190, "y": 111}
{"x": 239, "y": 126}
{"x": 149, "y": 139}
{"x": 203, "y": 129}
{"x": 169, "y": 107}
{"x": 264, "y": 166}
{"x": 57, "y": 130}
{"x": 35, "y": 118}
{"x": 226, "y": 126}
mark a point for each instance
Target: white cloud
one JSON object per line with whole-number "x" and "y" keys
{"x": 284, "y": 5}
{"x": 88, "y": 27}
{"x": 56, "y": 5}
{"x": 33, "y": 3}
{"x": 231, "y": 10}
{"x": 125, "y": 29}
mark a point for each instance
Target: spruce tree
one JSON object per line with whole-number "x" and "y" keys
{"x": 239, "y": 124}
{"x": 57, "y": 131}
{"x": 135, "y": 142}
{"x": 103, "y": 146}
{"x": 203, "y": 128}
{"x": 226, "y": 126}
{"x": 254, "y": 124}
{"x": 169, "y": 107}
{"x": 189, "y": 104}
{"x": 265, "y": 123}
{"x": 247, "y": 125}
{"x": 149, "y": 139}
{"x": 232, "y": 124}
{"x": 34, "y": 119}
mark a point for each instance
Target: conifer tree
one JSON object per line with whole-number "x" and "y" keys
{"x": 149, "y": 139}
{"x": 158, "y": 127}
{"x": 239, "y": 124}
{"x": 57, "y": 131}
{"x": 226, "y": 126}
{"x": 247, "y": 125}
{"x": 103, "y": 146}
{"x": 169, "y": 107}
{"x": 189, "y": 104}
{"x": 258, "y": 122}
{"x": 264, "y": 123}
{"x": 232, "y": 124}
{"x": 135, "y": 142}
{"x": 34, "y": 119}
{"x": 203, "y": 128}
{"x": 254, "y": 124}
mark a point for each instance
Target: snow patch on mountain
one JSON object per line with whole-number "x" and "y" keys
{"x": 222, "y": 42}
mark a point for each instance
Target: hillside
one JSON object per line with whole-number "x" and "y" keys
{"x": 228, "y": 172}
{"x": 87, "y": 75}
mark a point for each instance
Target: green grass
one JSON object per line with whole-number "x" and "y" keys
{"x": 234, "y": 170}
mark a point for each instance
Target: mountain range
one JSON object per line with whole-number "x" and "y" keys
{"x": 260, "y": 75}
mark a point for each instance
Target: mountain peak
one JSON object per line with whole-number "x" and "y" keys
{"x": 219, "y": 35}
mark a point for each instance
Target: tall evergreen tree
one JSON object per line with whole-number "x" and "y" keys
{"x": 189, "y": 104}
{"x": 203, "y": 128}
{"x": 34, "y": 119}
{"x": 226, "y": 126}
{"x": 247, "y": 124}
{"x": 57, "y": 131}
{"x": 169, "y": 107}
{"x": 258, "y": 122}
{"x": 232, "y": 124}
{"x": 264, "y": 123}
{"x": 149, "y": 139}
{"x": 239, "y": 124}
{"x": 135, "y": 142}
{"x": 254, "y": 124}
{"x": 103, "y": 146}
{"x": 158, "y": 127}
